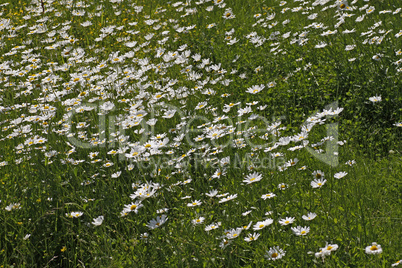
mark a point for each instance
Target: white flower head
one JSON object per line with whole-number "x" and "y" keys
{"x": 253, "y": 177}
{"x": 340, "y": 175}
{"x": 373, "y": 249}
{"x": 375, "y": 99}
{"x": 98, "y": 221}
{"x": 310, "y": 216}
{"x": 275, "y": 253}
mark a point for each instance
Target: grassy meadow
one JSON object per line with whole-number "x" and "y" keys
{"x": 209, "y": 133}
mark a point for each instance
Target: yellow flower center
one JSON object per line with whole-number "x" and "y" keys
{"x": 274, "y": 255}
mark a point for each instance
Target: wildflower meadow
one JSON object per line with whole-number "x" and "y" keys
{"x": 200, "y": 133}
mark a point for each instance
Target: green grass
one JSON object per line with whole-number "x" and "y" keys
{"x": 63, "y": 150}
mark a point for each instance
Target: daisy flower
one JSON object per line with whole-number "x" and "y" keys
{"x": 155, "y": 223}
{"x": 340, "y": 175}
{"x": 318, "y": 174}
{"x": 282, "y": 186}
{"x": 230, "y": 197}
{"x": 252, "y": 237}
{"x": 133, "y": 207}
{"x": 275, "y": 253}
{"x": 162, "y": 210}
{"x": 98, "y": 221}
{"x": 331, "y": 247}
{"x": 201, "y": 105}
{"x": 310, "y": 216}
{"x": 292, "y": 162}
{"x": 74, "y": 214}
{"x": 262, "y": 224}
{"x": 212, "y": 193}
{"x": 13, "y": 206}
{"x": 194, "y": 203}
{"x": 376, "y": 57}
{"x": 246, "y": 227}
{"x": 218, "y": 173}
{"x": 287, "y": 221}
{"x": 350, "y": 162}
{"x": 228, "y": 14}
{"x": 268, "y": 196}
{"x": 318, "y": 183}
{"x": 253, "y": 177}
{"x": 212, "y": 226}
{"x": 144, "y": 236}
{"x": 322, "y": 253}
{"x": 396, "y": 263}
{"x": 198, "y": 221}
{"x": 342, "y": 5}
{"x": 246, "y": 213}
{"x": 271, "y": 84}
{"x": 300, "y": 230}
{"x": 374, "y": 249}
{"x": 233, "y": 233}
{"x": 255, "y": 89}
{"x": 326, "y": 251}
{"x": 375, "y": 99}
{"x": 224, "y": 243}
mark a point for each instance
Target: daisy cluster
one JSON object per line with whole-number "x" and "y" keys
{"x": 132, "y": 101}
